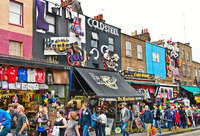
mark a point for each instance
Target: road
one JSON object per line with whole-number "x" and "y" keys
{"x": 193, "y": 133}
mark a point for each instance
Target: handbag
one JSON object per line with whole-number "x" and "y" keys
{"x": 188, "y": 122}
{"x": 56, "y": 131}
{"x": 153, "y": 130}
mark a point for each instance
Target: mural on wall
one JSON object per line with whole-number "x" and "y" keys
{"x": 76, "y": 26}
{"x": 173, "y": 62}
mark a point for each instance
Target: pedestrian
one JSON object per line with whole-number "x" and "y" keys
{"x": 85, "y": 120}
{"x": 72, "y": 126}
{"x": 42, "y": 122}
{"x": 142, "y": 117}
{"x": 189, "y": 115}
{"x": 5, "y": 122}
{"x": 60, "y": 122}
{"x": 124, "y": 118}
{"x": 130, "y": 122}
{"x": 163, "y": 118}
{"x": 173, "y": 117}
{"x": 199, "y": 114}
{"x": 178, "y": 119}
{"x": 57, "y": 107}
{"x": 96, "y": 123}
{"x": 103, "y": 119}
{"x": 168, "y": 117}
{"x": 148, "y": 120}
{"x": 182, "y": 116}
{"x": 21, "y": 122}
{"x": 195, "y": 117}
{"x": 156, "y": 118}
{"x": 67, "y": 111}
{"x": 13, "y": 113}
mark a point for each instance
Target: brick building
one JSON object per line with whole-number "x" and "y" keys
{"x": 196, "y": 72}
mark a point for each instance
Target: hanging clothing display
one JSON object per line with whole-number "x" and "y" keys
{"x": 49, "y": 77}
{"x": 12, "y": 74}
{"x": 22, "y": 74}
{"x": 40, "y": 76}
{"x": 2, "y": 73}
{"x": 31, "y": 75}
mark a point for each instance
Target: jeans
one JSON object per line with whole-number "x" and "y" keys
{"x": 85, "y": 130}
{"x": 157, "y": 124}
{"x": 42, "y": 133}
{"x": 102, "y": 129}
{"x": 164, "y": 124}
{"x": 97, "y": 131}
{"x": 169, "y": 123}
{"x": 4, "y": 131}
{"x": 123, "y": 126}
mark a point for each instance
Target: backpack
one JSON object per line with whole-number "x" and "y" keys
{"x": 189, "y": 113}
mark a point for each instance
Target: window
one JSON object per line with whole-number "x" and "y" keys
{"x": 128, "y": 49}
{"x": 189, "y": 71}
{"x": 129, "y": 68}
{"x": 59, "y": 89}
{"x": 111, "y": 44}
{"x": 52, "y": 23}
{"x": 195, "y": 72}
{"x": 15, "y": 48}
{"x": 185, "y": 83}
{"x": 188, "y": 56}
{"x": 190, "y": 84}
{"x": 139, "y": 51}
{"x": 199, "y": 71}
{"x": 155, "y": 57}
{"x": 172, "y": 63}
{"x": 15, "y": 13}
{"x": 184, "y": 71}
{"x": 140, "y": 70}
{"x": 183, "y": 54}
{"x": 96, "y": 66}
{"x": 94, "y": 40}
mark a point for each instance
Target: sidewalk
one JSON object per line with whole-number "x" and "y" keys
{"x": 163, "y": 134}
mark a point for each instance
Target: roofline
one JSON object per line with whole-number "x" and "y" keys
{"x": 133, "y": 37}
{"x": 195, "y": 62}
{"x": 186, "y": 44}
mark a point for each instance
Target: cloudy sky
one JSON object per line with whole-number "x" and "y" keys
{"x": 163, "y": 18}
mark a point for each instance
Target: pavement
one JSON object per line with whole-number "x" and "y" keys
{"x": 193, "y": 131}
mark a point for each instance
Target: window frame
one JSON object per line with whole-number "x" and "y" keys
{"x": 139, "y": 53}
{"x": 50, "y": 24}
{"x": 57, "y": 90}
{"x": 184, "y": 70}
{"x": 22, "y": 13}
{"x": 183, "y": 54}
{"x": 21, "y": 48}
{"x": 127, "y": 68}
{"x": 111, "y": 44}
{"x": 195, "y": 72}
{"x": 94, "y": 39}
{"x": 189, "y": 71}
{"x": 140, "y": 70}
{"x": 128, "y": 50}
{"x": 157, "y": 57}
{"x": 188, "y": 56}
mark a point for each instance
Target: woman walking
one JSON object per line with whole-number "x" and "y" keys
{"x": 60, "y": 122}
{"x": 42, "y": 122}
{"x": 72, "y": 126}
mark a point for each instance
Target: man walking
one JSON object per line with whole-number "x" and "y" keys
{"x": 168, "y": 116}
{"x": 13, "y": 113}
{"x": 85, "y": 120}
{"x": 182, "y": 116}
{"x": 130, "y": 122}
{"x": 124, "y": 117}
{"x": 5, "y": 122}
{"x": 157, "y": 117}
{"x": 148, "y": 120}
{"x": 21, "y": 122}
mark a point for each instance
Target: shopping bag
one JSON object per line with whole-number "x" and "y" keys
{"x": 56, "y": 131}
{"x": 188, "y": 122}
{"x": 153, "y": 130}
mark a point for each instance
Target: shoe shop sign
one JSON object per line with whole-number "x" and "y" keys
{"x": 60, "y": 45}
{"x": 102, "y": 26}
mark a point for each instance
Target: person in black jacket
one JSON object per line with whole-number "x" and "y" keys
{"x": 156, "y": 117}
{"x": 148, "y": 120}
{"x": 182, "y": 116}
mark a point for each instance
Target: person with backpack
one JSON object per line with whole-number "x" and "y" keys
{"x": 195, "y": 116}
{"x": 5, "y": 122}
{"x": 21, "y": 122}
{"x": 173, "y": 117}
{"x": 182, "y": 116}
{"x": 96, "y": 123}
{"x": 168, "y": 114}
{"x": 189, "y": 115}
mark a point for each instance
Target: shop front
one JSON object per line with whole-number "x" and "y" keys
{"x": 104, "y": 90}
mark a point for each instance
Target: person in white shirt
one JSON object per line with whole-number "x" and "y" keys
{"x": 103, "y": 119}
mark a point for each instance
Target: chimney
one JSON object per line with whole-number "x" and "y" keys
{"x": 142, "y": 31}
{"x": 134, "y": 33}
{"x": 146, "y": 30}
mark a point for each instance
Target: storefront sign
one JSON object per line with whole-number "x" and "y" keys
{"x": 60, "y": 45}
{"x": 65, "y": 3}
{"x": 4, "y": 85}
{"x": 107, "y": 99}
{"x": 125, "y": 98}
{"x": 131, "y": 74}
{"x": 103, "y": 27}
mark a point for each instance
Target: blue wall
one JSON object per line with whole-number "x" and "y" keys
{"x": 157, "y": 68}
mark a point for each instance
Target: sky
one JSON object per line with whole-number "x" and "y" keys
{"x": 164, "y": 19}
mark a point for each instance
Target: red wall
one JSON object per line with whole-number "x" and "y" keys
{"x": 26, "y": 40}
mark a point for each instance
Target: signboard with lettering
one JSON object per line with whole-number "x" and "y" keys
{"x": 60, "y": 45}
{"x": 131, "y": 74}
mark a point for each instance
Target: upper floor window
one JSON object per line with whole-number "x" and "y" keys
{"x": 15, "y": 13}
{"x": 184, "y": 70}
{"x": 52, "y": 23}
{"x": 129, "y": 68}
{"x": 195, "y": 72}
{"x": 183, "y": 54}
{"x": 155, "y": 57}
{"x": 128, "y": 49}
{"x": 94, "y": 40}
{"x": 199, "y": 71}
{"x": 190, "y": 83}
{"x": 139, "y": 51}
{"x": 188, "y": 56}
{"x": 111, "y": 45}
{"x": 185, "y": 83}
{"x": 15, "y": 48}
{"x": 189, "y": 71}
{"x": 140, "y": 70}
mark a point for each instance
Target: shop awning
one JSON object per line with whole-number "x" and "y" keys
{"x": 143, "y": 83}
{"x": 194, "y": 90}
{"x": 107, "y": 84}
